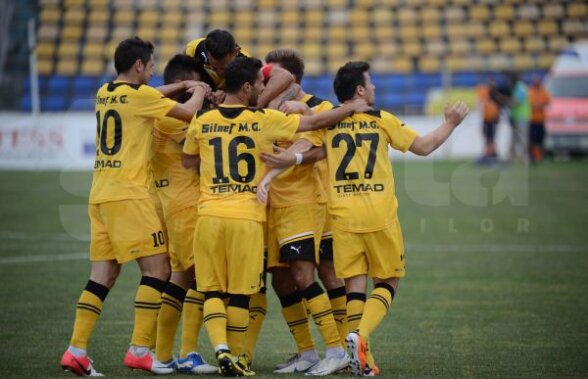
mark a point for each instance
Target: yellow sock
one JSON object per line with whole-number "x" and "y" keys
{"x": 237, "y": 323}
{"x": 191, "y": 322}
{"x": 88, "y": 311}
{"x": 339, "y": 305}
{"x": 168, "y": 320}
{"x": 257, "y": 312}
{"x": 215, "y": 318}
{"x": 147, "y": 304}
{"x": 355, "y": 305}
{"x": 376, "y": 308}
{"x": 294, "y": 313}
{"x": 320, "y": 307}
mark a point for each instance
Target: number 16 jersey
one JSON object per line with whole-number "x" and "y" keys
{"x": 229, "y": 140}
{"x": 361, "y": 185}
{"x": 125, "y": 116}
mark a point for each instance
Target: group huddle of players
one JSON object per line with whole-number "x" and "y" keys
{"x": 228, "y": 171}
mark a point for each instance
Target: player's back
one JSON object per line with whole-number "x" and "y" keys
{"x": 230, "y": 140}
{"x": 125, "y": 115}
{"x": 177, "y": 187}
{"x": 361, "y": 184}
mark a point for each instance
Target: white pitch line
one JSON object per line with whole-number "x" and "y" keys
{"x": 44, "y": 258}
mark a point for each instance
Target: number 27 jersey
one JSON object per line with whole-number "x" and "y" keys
{"x": 361, "y": 184}
{"x": 230, "y": 140}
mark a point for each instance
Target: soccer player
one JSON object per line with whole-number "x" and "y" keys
{"x": 228, "y": 239}
{"x": 296, "y": 217}
{"x": 178, "y": 190}
{"x": 366, "y": 231}
{"x": 217, "y": 50}
{"x": 124, "y": 223}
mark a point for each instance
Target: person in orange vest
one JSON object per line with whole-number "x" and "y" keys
{"x": 490, "y": 110}
{"x": 539, "y": 99}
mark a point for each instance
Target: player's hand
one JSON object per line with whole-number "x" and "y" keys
{"x": 359, "y": 106}
{"x": 455, "y": 114}
{"x": 200, "y": 88}
{"x": 263, "y": 189}
{"x": 282, "y": 159}
{"x": 290, "y": 106}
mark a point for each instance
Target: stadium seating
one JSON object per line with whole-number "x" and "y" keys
{"x": 402, "y": 38}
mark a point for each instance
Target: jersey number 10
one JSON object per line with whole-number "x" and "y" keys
{"x": 102, "y": 133}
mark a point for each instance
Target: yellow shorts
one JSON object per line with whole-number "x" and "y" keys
{"x": 379, "y": 254}
{"x": 125, "y": 230}
{"x": 229, "y": 255}
{"x": 294, "y": 234}
{"x": 180, "y": 231}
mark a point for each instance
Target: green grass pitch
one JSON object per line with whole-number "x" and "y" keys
{"x": 496, "y": 285}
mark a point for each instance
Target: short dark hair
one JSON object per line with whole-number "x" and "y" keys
{"x": 219, "y": 43}
{"x": 128, "y": 51}
{"x": 348, "y": 78}
{"x": 289, "y": 59}
{"x": 180, "y": 67}
{"x": 240, "y": 71}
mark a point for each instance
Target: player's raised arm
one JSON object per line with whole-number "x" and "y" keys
{"x": 454, "y": 115}
{"x": 328, "y": 118}
{"x": 277, "y": 80}
{"x": 172, "y": 89}
{"x": 186, "y": 111}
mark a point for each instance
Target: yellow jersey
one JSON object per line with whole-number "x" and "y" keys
{"x": 177, "y": 187}
{"x": 196, "y": 49}
{"x": 230, "y": 140}
{"x": 125, "y": 115}
{"x": 299, "y": 184}
{"x": 361, "y": 183}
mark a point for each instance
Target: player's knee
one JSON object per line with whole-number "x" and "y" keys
{"x": 156, "y": 266}
{"x": 105, "y": 273}
{"x": 282, "y": 282}
{"x": 303, "y": 275}
{"x": 326, "y": 274}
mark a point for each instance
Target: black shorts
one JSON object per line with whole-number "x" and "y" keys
{"x": 536, "y": 133}
{"x": 489, "y": 130}
{"x": 302, "y": 250}
{"x": 326, "y": 250}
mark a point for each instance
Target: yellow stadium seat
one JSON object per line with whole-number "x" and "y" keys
{"x": 476, "y": 30}
{"x": 93, "y": 51}
{"x": 244, "y": 19}
{"x": 313, "y": 34}
{"x": 529, "y": 12}
{"x": 267, "y": 17}
{"x": 557, "y": 43}
{"x": 109, "y": 50}
{"x": 455, "y": 63}
{"x": 499, "y": 29}
{"x": 337, "y": 33}
{"x": 432, "y": 31}
{"x": 312, "y": 50}
{"x": 337, "y": 50}
{"x": 290, "y": 17}
{"x": 456, "y": 30}
{"x": 479, "y": 13}
{"x": 485, "y": 46}
{"x": 244, "y": 34}
{"x": 74, "y": 16}
{"x": 265, "y": 35}
{"x": 124, "y": 4}
{"x": 93, "y": 67}
{"x": 68, "y": 50}
{"x": 50, "y": 16}
{"x": 313, "y": 66}
{"x": 220, "y": 19}
{"x": 407, "y": 15}
{"x": 47, "y": 32}
{"x": 409, "y": 32}
{"x": 384, "y": 33}
{"x": 534, "y": 45}
{"x": 96, "y": 33}
{"x": 454, "y": 14}
{"x": 151, "y": 4}
{"x": 99, "y": 3}
{"x": 365, "y": 3}
{"x": 290, "y": 34}
{"x": 74, "y": 3}
{"x": 459, "y": 46}
{"x": 49, "y": 3}
{"x": 430, "y": 15}
{"x": 217, "y": 5}
{"x": 361, "y": 34}
{"x": 524, "y": 28}
{"x": 122, "y": 32}
{"x": 402, "y": 64}
{"x": 412, "y": 49}
{"x": 195, "y": 6}
{"x": 499, "y": 62}
{"x": 171, "y": 18}
{"x": 149, "y": 18}
{"x": 365, "y": 51}
{"x": 359, "y": 16}
{"x": 314, "y": 17}
{"x": 578, "y": 10}
{"x": 67, "y": 67}
{"x": 99, "y": 17}
{"x": 124, "y": 17}
{"x": 545, "y": 60}
{"x": 71, "y": 32}
{"x": 336, "y": 4}
{"x": 381, "y": 65}
{"x": 45, "y": 49}
{"x": 547, "y": 27}
{"x": 264, "y": 48}
{"x": 504, "y": 12}
{"x": 147, "y": 33}
{"x": 383, "y": 17}
{"x": 575, "y": 27}
{"x": 45, "y": 66}
{"x": 554, "y": 10}
{"x": 523, "y": 62}
{"x": 267, "y": 4}
{"x": 429, "y": 64}
{"x": 510, "y": 45}
{"x": 173, "y": 5}
{"x": 169, "y": 35}
{"x": 435, "y": 47}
